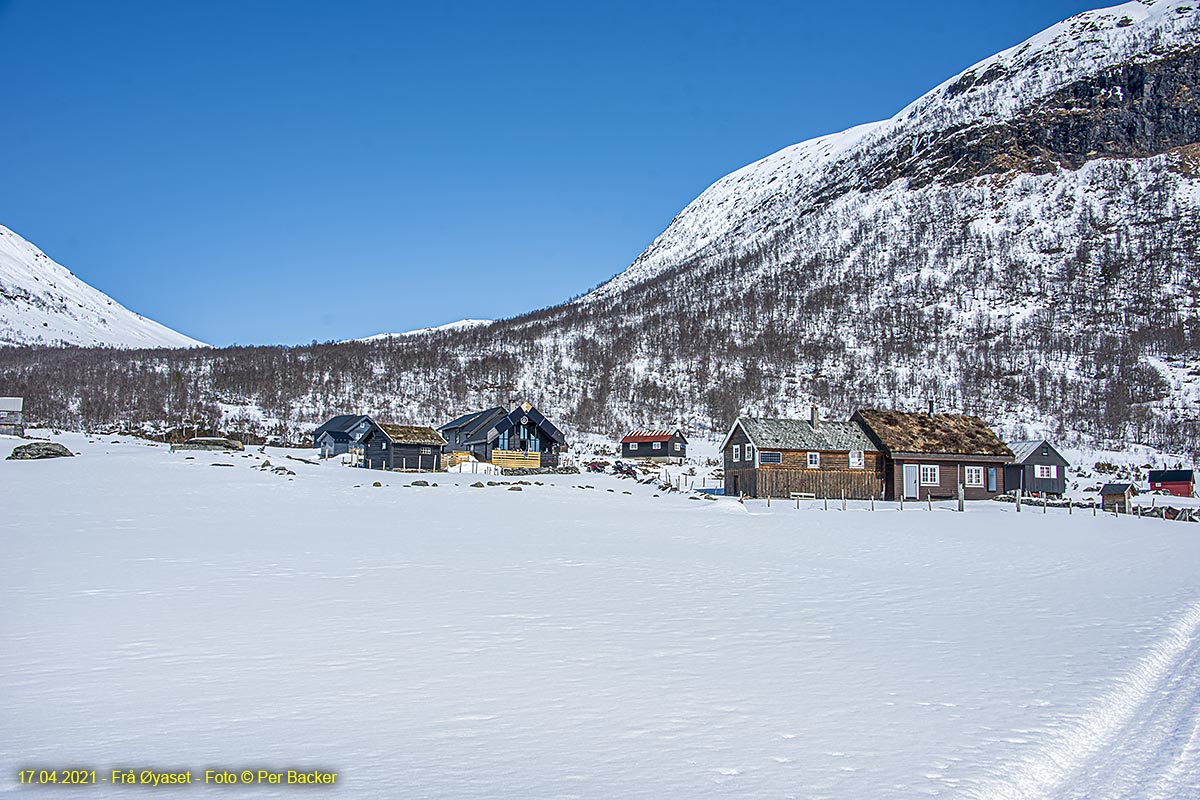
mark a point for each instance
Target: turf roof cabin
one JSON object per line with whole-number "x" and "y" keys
{"x": 1036, "y": 468}
{"x": 11, "y": 421}
{"x": 928, "y": 455}
{"x": 340, "y": 434}
{"x": 517, "y": 437}
{"x": 405, "y": 448}
{"x": 785, "y": 457}
{"x": 655, "y": 445}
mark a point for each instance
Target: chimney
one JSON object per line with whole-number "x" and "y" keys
{"x": 816, "y": 417}
{"x": 512, "y": 405}
{"x": 931, "y": 408}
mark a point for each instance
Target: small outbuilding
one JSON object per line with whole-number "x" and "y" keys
{"x": 1179, "y": 482}
{"x": 1117, "y": 497}
{"x": 12, "y": 422}
{"x": 407, "y": 448}
{"x": 1036, "y": 468}
{"x": 663, "y": 445}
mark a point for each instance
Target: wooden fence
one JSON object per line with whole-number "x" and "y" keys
{"x": 516, "y": 459}
{"x": 857, "y": 484}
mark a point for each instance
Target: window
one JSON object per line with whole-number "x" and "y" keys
{"x": 857, "y": 459}
{"x": 749, "y": 452}
{"x": 930, "y": 475}
{"x": 633, "y": 445}
{"x": 678, "y": 446}
{"x": 425, "y": 451}
{"x": 973, "y": 476}
{"x": 767, "y": 457}
{"x": 814, "y": 460}
{"x": 737, "y": 453}
{"x": 656, "y": 446}
{"x": 1045, "y": 471}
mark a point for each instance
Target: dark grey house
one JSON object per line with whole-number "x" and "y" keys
{"x": 666, "y": 445}
{"x": 1036, "y": 468}
{"x": 517, "y": 436}
{"x": 401, "y": 447}
{"x": 340, "y": 433}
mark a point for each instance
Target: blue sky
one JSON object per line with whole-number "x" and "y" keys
{"x": 281, "y": 172}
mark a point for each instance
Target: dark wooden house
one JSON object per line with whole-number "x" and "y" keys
{"x": 786, "y": 457}
{"x": 665, "y": 445}
{"x": 411, "y": 448}
{"x": 1118, "y": 497}
{"x": 1036, "y": 468}
{"x": 927, "y": 455}
{"x": 340, "y": 434}
{"x": 1179, "y": 482}
{"x": 519, "y": 436}
{"x": 12, "y": 421}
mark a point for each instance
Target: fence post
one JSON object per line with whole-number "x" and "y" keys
{"x": 872, "y": 502}
{"x": 902, "y": 501}
{"x": 961, "y": 498}
{"x": 1070, "y": 507}
{"x": 768, "y": 499}
{"x": 1018, "y": 501}
{"x": 825, "y": 500}
{"x": 929, "y": 500}
{"x": 843, "y": 500}
{"x": 1093, "y": 506}
{"x": 1045, "y": 502}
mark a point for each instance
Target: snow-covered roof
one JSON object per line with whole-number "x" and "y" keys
{"x": 11, "y": 403}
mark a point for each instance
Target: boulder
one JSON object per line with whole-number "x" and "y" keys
{"x": 34, "y": 450}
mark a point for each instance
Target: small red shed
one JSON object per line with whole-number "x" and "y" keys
{"x": 1179, "y": 482}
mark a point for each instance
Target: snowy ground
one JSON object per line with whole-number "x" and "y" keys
{"x": 452, "y": 642}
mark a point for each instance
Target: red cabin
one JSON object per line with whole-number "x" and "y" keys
{"x": 1179, "y": 482}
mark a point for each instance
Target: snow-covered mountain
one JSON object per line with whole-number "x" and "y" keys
{"x": 41, "y": 302}
{"x": 458, "y": 325}
{"x": 1019, "y": 243}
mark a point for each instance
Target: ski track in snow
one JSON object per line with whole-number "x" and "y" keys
{"x": 1140, "y": 740}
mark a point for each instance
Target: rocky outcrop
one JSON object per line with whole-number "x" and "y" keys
{"x": 37, "y": 450}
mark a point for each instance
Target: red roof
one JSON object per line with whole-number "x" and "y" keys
{"x": 648, "y": 436}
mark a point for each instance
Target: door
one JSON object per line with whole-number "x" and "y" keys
{"x": 991, "y": 479}
{"x": 736, "y": 493}
{"x": 912, "y": 486}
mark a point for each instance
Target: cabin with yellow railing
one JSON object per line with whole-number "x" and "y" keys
{"x": 516, "y": 437}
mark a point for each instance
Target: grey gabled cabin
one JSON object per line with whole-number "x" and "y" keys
{"x": 340, "y": 434}
{"x": 1036, "y": 468}
{"x": 519, "y": 436}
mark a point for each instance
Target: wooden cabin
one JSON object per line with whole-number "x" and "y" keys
{"x": 927, "y": 455}
{"x": 516, "y": 437}
{"x": 1118, "y": 497}
{"x": 404, "y": 448}
{"x": 12, "y": 420}
{"x": 1037, "y": 468}
{"x": 664, "y": 445}
{"x": 787, "y": 457}
{"x": 1179, "y": 482}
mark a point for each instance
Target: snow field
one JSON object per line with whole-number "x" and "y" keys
{"x": 453, "y": 641}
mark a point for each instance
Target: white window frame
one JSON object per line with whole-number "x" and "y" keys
{"x": 748, "y": 452}
{"x": 857, "y": 459}
{"x": 935, "y": 471}
{"x": 737, "y": 452}
{"x": 633, "y": 445}
{"x": 656, "y": 446}
{"x": 1052, "y": 469}
{"x": 678, "y": 446}
{"x": 814, "y": 461}
{"x": 977, "y": 482}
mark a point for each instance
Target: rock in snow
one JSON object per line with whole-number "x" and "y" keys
{"x": 36, "y": 450}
